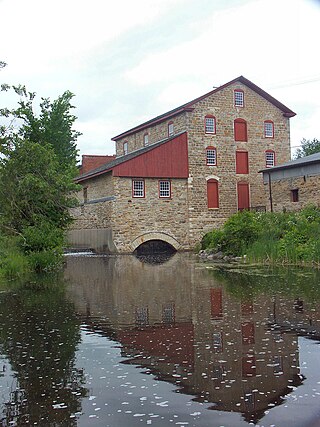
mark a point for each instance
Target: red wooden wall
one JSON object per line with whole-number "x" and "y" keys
{"x": 169, "y": 160}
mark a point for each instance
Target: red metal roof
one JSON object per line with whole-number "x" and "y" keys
{"x": 189, "y": 106}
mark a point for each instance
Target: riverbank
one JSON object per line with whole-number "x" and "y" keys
{"x": 266, "y": 238}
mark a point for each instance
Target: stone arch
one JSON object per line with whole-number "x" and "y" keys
{"x": 156, "y": 235}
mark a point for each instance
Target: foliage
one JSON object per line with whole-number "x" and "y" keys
{"x": 37, "y": 167}
{"x": 270, "y": 237}
{"x": 308, "y": 147}
{"x": 33, "y": 327}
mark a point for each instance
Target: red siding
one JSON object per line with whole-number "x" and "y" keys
{"x": 242, "y": 164}
{"x": 174, "y": 343}
{"x": 169, "y": 160}
{"x": 240, "y": 130}
{"x": 243, "y": 195}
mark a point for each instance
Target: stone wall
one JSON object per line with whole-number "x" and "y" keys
{"x": 185, "y": 218}
{"x": 134, "y": 217}
{"x": 155, "y": 133}
{"x": 308, "y": 192}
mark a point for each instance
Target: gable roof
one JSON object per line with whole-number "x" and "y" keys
{"x": 189, "y": 106}
{"x": 108, "y": 167}
{"x": 303, "y": 161}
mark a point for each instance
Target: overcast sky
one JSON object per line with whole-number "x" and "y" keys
{"x": 127, "y": 61}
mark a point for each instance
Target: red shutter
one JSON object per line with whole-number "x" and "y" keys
{"x": 242, "y": 164}
{"x": 243, "y": 196}
{"x": 240, "y": 130}
{"x": 247, "y": 330}
{"x": 212, "y": 193}
{"x": 216, "y": 302}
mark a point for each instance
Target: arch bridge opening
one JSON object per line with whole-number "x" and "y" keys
{"x": 154, "y": 247}
{"x": 154, "y": 251}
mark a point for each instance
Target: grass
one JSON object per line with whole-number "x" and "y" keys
{"x": 273, "y": 238}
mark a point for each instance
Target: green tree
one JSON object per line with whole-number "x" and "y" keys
{"x": 35, "y": 197}
{"x": 37, "y": 168}
{"x": 308, "y": 147}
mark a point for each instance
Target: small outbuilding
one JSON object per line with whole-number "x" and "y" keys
{"x": 293, "y": 185}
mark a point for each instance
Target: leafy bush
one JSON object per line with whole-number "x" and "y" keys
{"x": 270, "y": 237}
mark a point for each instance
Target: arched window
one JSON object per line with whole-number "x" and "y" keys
{"x": 268, "y": 129}
{"x": 270, "y": 158}
{"x": 240, "y": 130}
{"x": 210, "y": 124}
{"x": 212, "y": 193}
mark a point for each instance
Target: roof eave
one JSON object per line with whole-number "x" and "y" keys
{"x": 153, "y": 122}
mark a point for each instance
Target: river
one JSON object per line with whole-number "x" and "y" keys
{"x": 126, "y": 342}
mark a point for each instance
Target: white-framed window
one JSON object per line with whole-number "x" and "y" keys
{"x": 270, "y": 159}
{"x": 210, "y": 124}
{"x": 146, "y": 139}
{"x": 125, "y": 148}
{"x": 138, "y": 188}
{"x": 268, "y": 129}
{"x": 211, "y": 153}
{"x": 238, "y": 98}
{"x": 170, "y": 129}
{"x": 164, "y": 189}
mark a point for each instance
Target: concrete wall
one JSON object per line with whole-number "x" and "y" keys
{"x": 97, "y": 239}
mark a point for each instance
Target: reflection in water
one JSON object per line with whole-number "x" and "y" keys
{"x": 227, "y": 338}
{"x": 45, "y": 388}
{"x": 231, "y": 339}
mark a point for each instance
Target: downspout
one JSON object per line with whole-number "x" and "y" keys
{"x": 270, "y": 193}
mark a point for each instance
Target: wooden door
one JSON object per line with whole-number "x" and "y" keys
{"x": 243, "y": 196}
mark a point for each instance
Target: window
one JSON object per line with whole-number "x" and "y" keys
{"x": 277, "y": 365}
{"x": 212, "y": 194}
{"x": 270, "y": 159}
{"x": 85, "y": 194}
{"x": 170, "y": 129}
{"x": 217, "y": 342}
{"x": 211, "y": 154}
{"x": 216, "y": 303}
{"x": 164, "y": 189}
{"x": 142, "y": 316}
{"x": 242, "y": 162}
{"x": 238, "y": 98}
{"x": 247, "y": 330}
{"x": 168, "y": 313}
{"x": 268, "y": 129}
{"x": 295, "y": 195}
{"x": 249, "y": 366}
{"x": 240, "y": 130}
{"x": 210, "y": 124}
{"x": 138, "y": 188}
{"x": 146, "y": 139}
{"x": 125, "y": 148}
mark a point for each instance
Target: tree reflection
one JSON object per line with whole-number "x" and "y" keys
{"x": 39, "y": 334}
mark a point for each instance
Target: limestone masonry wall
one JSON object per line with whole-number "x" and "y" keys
{"x": 308, "y": 193}
{"x": 186, "y": 216}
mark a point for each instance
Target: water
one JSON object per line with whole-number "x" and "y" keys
{"x": 134, "y": 342}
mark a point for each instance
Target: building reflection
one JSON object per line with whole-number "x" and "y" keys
{"x": 182, "y": 324}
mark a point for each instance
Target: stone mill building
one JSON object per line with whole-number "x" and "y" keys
{"x": 183, "y": 173}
